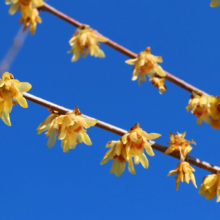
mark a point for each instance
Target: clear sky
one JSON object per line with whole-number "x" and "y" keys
{"x": 40, "y": 183}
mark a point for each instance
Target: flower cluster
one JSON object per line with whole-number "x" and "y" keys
{"x": 131, "y": 145}
{"x": 146, "y": 64}
{"x": 183, "y": 169}
{"x": 178, "y": 143}
{"x": 184, "y": 173}
{"x": 29, "y": 12}
{"x": 205, "y": 108}
{"x": 68, "y": 128}
{"x": 210, "y": 186}
{"x": 11, "y": 94}
{"x": 85, "y": 40}
{"x": 215, "y": 3}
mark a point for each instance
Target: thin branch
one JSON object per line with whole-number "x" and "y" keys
{"x": 192, "y": 160}
{"x": 119, "y": 48}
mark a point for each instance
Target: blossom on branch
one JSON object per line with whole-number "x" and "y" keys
{"x": 159, "y": 83}
{"x": 199, "y": 104}
{"x": 10, "y": 94}
{"x": 178, "y": 143}
{"x": 184, "y": 173}
{"x": 131, "y": 145}
{"x": 29, "y": 12}
{"x": 146, "y": 64}
{"x": 210, "y": 186}
{"x": 215, "y": 3}
{"x": 68, "y": 128}
{"x": 84, "y": 41}
{"x": 214, "y": 111}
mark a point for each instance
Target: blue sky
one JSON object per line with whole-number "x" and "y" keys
{"x": 41, "y": 183}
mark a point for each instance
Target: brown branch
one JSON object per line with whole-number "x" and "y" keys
{"x": 194, "y": 161}
{"x": 118, "y": 47}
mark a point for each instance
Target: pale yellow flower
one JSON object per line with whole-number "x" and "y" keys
{"x": 25, "y": 6}
{"x": 85, "y": 40}
{"x": 178, "y": 143}
{"x": 184, "y": 173}
{"x": 214, "y": 111}
{"x": 146, "y": 64}
{"x": 131, "y": 145}
{"x": 68, "y": 128}
{"x": 10, "y": 94}
{"x": 215, "y": 3}
{"x": 199, "y": 104}
{"x": 31, "y": 21}
{"x": 159, "y": 83}
{"x": 210, "y": 186}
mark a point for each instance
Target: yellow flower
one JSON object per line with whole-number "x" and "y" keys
{"x": 25, "y": 6}
{"x": 31, "y": 21}
{"x": 184, "y": 173}
{"x": 130, "y": 145}
{"x": 146, "y": 64}
{"x": 214, "y": 111}
{"x": 68, "y": 128}
{"x": 178, "y": 143}
{"x": 215, "y": 3}
{"x": 85, "y": 40}
{"x": 11, "y": 93}
{"x": 159, "y": 83}
{"x": 210, "y": 186}
{"x": 199, "y": 104}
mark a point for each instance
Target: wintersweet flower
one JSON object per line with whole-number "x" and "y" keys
{"x": 25, "y": 6}
{"x": 214, "y": 111}
{"x": 131, "y": 145}
{"x": 10, "y": 94}
{"x": 68, "y": 128}
{"x": 146, "y": 64}
{"x": 184, "y": 173}
{"x": 85, "y": 40}
{"x": 31, "y": 21}
{"x": 199, "y": 104}
{"x": 159, "y": 83}
{"x": 210, "y": 186}
{"x": 215, "y": 3}
{"x": 178, "y": 143}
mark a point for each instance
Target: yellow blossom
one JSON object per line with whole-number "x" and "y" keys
{"x": 159, "y": 83}
{"x": 214, "y": 111}
{"x": 132, "y": 144}
{"x": 215, "y": 3}
{"x": 25, "y": 6}
{"x": 146, "y": 64}
{"x": 178, "y": 143}
{"x": 184, "y": 173}
{"x": 210, "y": 186}
{"x": 199, "y": 104}
{"x": 31, "y": 21}
{"x": 11, "y": 93}
{"x": 85, "y": 40}
{"x": 68, "y": 128}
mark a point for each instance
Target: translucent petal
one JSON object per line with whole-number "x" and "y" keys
{"x": 13, "y": 8}
{"x": 8, "y": 105}
{"x": 131, "y": 61}
{"x": 52, "y": 139}
{"x": 120, "y": 169}
{"x": 5, "y": 118}
{"x": 215, "y": 3}
{"x": 72, "y": 140}
{"x": 21, "y": 100}
{"x": 131, "y": 167}
{"x": 24, "y": 87}
{"x": 45, "y": 124}
{"x": 148, "y": 149}
{"x": 85, "y": 138}
{"x": 172, "y": 172}
{"x": 153, "y": 135}
{"x": 114, "y": 165}
{"x": 144, "y": 161}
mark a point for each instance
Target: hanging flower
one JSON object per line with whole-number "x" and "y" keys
{"x": 159, "y": 83}
{"x": 215, "y": 3}
{"x": 184, "y": 173}
{"x": 11, "y": 93}
{"x": 132, "y": 144}
{"x": 199, "y": 104}
{"x": 146, "y": 64}
{"x": 85, "y": 40}
{"x": 68, "y": 128}
{"x": 214, "y": 111}
{"x": 210, "y": 186}
{"x": 31, "y": 21}
{"x": 178, "y": 143}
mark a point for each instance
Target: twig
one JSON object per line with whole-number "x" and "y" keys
{"x": 118, "y": 47}
{"x": 194, "y": 161}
